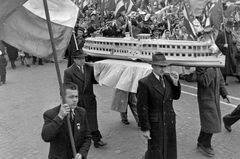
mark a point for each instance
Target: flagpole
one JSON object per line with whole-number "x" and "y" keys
{"x": 58, "y": 73}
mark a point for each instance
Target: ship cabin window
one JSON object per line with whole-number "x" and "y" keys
{"x": 189, "y": 55}
{"x": 178, "y": 47}
{"x": 183, "y": 55}
{"x": 149, "y": 53}
{"x": 195, "y": 54}
{"x": 103, "y": 49}
{"x": 117, "y": 44}
{"x": 130, "y": 44}
{"x": 184, "y": 47}
{"x": 97, "y": 48}
{"x": 203, "y": 54}
{"x": 100, "y": 42}
{"x": 204, "y": 47}
{"x": 168, "y": 46}
{"x": 190, "y": 47}
{"x": 171, "y": 54}
{"x": 160, "y": 46}
{"x": 194, "y": 47}
{"x": 107, "y": 43}
{"x": 145, "y": 53}
{"x": 149, "y": 45}
{"x": 166, "y": 54}
{"x": 103, "y": 43}
{"x": 144, "y": 45}
{"x": 198, "y": 47}
{"x": 199, "y": 55}
{"x": 154, "y": 45}
{"x": 177, "y": 54}
{"x": 94, "y": 42}
{"x": 126, "y": 44}
{"x": 163, "y": 46}
{"x": 173, "y": 46}
{"x": 120, "y": 44}
{"x": 134, "y": 44}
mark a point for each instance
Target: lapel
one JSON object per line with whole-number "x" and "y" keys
{"x": 167, "y": 86}
{"x": 77, "y": 125}
{"x": 77, "y": 72}
{"x": 156, "y": 84}
{"x": 87, "y": 73}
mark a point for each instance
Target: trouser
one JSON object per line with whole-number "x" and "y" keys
{"x": 3, "y": 78}
{"x": 205, "y": 139}
{"x": 233, "y": 117}
{"x": 96, "y": 135}
{"x": 35, "y": 59}
{"x": 132, "y": 102}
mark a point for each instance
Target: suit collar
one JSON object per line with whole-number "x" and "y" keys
{"x": 77, "y": 72}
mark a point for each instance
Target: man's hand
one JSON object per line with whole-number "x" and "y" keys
{"x": 146, "y": 134}
{"x": 225, "y": 45}
{"x": 78, "y": 156}
{"x": 175, "y": 77}
{"x": 64, "y": 110}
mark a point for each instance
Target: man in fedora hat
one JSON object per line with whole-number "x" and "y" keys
{"x": 155, "y": 96}
{"x": 82, "y": 74}
{"x": 225, "y": 46}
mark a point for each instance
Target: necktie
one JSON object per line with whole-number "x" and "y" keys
{"x": 72, "y": 119}
{"x": 162, "y": 81}
{"x": 82, "y": 69}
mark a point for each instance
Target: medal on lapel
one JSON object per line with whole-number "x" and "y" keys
{"x": 78, "y": 126}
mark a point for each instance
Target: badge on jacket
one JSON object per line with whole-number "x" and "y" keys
{"x": 78, "y": 126}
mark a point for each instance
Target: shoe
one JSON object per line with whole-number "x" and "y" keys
{"x": 99, "y": 143}
{"x": 227, "y": 127}
{"x": 28, "y": 65}
{"x": 138, "y": 124}
{"x": 226, "y": 84}
{"x": 41, "y": 64}
{"x": 207, "y": 151}
{"x": 125, "y": 122}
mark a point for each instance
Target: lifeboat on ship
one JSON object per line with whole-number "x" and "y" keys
{"x": 181, "y": 53}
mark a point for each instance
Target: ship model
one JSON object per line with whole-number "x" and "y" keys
{"x": 179, "y": 52}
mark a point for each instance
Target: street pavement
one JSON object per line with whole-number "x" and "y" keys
{"x": 31, "y": 91}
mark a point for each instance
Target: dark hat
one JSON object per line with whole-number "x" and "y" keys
{"x": 229, "y": 24}
{"x": 81, "y": 28}
{"x": 159, "y": 59}
{"x": 78, "y": 53}
{"x": 236, "y": 24}
{"x": 156, "y": 28}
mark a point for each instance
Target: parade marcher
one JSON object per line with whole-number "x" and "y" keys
{"x": 12, "y": 54}
{"x": 226, "y": 48}
{"x": 155, "y": 95}
{"x": 35, "y": 59}
{"x": 135, "y": 29}
{"x": 167, "y": 35}
{"x": 132, "y": 102}
{"x": 236, "y": 47}
{"x": 92, "y": 28}
{"x": 3, "y": 65}
{"x": 145, "y": 29}
{"x": 55, "y": 128}
{"x": 210, "y": 85}
{"x": 231, "y": 118}
{"x": 82, "y": 74}
{"x": 24, "y": 57}
{"x": 156, "y": 33}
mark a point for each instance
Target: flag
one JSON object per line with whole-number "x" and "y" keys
{"x": 26, "y": 28}
{"x": 129, "y": 6}
{"x": 197, "y": 6}
{"x": 119, "y": 6}
{"x": 187, "y": 23}
{"x": 216, "y": 14}
{"x": 110, "y": 5}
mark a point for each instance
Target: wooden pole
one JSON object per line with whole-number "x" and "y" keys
{"x": 58, "y": 73}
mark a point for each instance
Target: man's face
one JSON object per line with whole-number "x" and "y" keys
{"x": 80, "y": 61}
{"x": 71, "y": 97}
{"x": 167, "y": 33}
{"x": 79, "y": 33}
{"x": 228, "y": 29}
{"x": 159, "y": 70}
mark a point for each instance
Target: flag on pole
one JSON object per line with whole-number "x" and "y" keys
{"x": 197, "y": 6}
{"x": 119, "y": 6}
{"x": 129, "y": 6}
{"x": 187, "y": 23}
{"x": 216, "y": 14}
{"x": 26, "y": 28}
{"x": 110, "y": 5}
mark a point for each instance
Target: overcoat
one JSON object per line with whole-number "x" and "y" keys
{"x": 210, "y": 86}
{"x": 3, "y": 64}
{"x": 87, "y": 98}
{"x": 230, "y": 67}
{"x": 55, "y": 131}
{"x": 156, "y": 113}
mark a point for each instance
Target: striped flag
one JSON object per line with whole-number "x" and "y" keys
{"x": 119, "y": 6}
{"x": 129, "y": 6}
{"x": 187, "y": 23}
{"x": 26, "y": 28}
{"x": 110, "y": 5}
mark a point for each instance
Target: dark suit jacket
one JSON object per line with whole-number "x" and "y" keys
{"x": 87, "y": 98}
{"x": 55, "y": 131}
{"x": 155, "y": 112}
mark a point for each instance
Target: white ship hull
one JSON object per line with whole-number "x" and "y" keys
{"x": 181, "y": 53}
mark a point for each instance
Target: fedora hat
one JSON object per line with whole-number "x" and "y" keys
{"x": 159, "y": 59}
{"x": 78, "y": 53}
{"x": 156, "y": 29}
{"x": 229, "y": 24}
